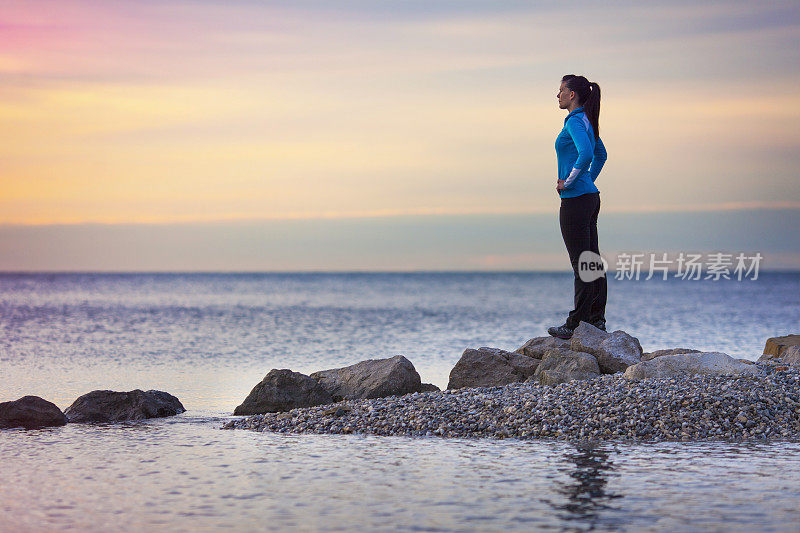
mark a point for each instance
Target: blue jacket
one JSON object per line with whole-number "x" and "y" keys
{"x": 576, "y": 147}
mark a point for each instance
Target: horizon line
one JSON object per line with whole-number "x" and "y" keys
{"x": 388, "y": 213}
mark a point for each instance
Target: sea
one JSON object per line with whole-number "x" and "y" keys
{"x": 209, "y": 338}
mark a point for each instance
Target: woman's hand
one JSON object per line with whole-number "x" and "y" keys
{"x": 560, "y": 186}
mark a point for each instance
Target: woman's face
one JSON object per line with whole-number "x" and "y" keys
{"x": 565, "y": 96}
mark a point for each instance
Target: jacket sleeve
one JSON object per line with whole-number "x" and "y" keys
{"x": 600, "y": 156}
{"x": 577, "y": 130}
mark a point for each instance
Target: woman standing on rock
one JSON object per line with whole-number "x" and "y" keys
{"x": 581, "y": 156}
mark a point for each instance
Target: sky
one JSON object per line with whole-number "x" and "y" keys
{"x": 310, "y": 135}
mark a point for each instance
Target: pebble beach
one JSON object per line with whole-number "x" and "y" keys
{"x": 764, "y": 406}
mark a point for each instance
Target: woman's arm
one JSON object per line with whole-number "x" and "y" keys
{"x": 600, "y": 156}
{"x": 577, "y": 130}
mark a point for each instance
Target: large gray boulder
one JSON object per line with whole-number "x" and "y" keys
{"x": 30, "y": 412}
{"x": 671, "y": 351}
{"x": 537, "y": 346}
{"x": 374, "y": 378}
{"x": 112, "y": 406}
{"x": 283, "y": 390}
{"x": 561, "y": 365}
{"x": 490, "y": 367}
{"x": 689, "y": 364}
{"x": 614, "y": 351}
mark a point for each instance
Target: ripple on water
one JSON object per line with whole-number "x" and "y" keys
{"x": 67, "y": 479}
{"x": 209, "y": 338}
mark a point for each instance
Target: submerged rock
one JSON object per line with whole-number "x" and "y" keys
{"x": 283, "y": 390}
{"x": 614, "y": 351}
{"x": 671, "y": 351}
{"x": 373, "y": 378}
{"x": 537, "y": 346}
{"x": 689, "y": 364}
{"x": 30, "y": 412}
{"x": 562, "y": 365}
{"x": 490, "y": 367}
{"x": 112, "y": 406}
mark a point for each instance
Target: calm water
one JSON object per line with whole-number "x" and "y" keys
{"x": 208, "y": 338}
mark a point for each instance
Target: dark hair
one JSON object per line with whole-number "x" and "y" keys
{"x": 588, "y": 97}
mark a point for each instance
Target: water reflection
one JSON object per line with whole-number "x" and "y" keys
{"x": 589, "y": 469}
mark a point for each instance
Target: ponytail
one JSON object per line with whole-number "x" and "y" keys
{"x": 592, "y": 108}
{"x": 588, "y": 97}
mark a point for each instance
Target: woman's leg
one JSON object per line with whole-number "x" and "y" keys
{"x": 575, "y": 218}
{"x": 597, "y": 313}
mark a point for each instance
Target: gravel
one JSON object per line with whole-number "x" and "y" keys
{"x": 765, "y": 406}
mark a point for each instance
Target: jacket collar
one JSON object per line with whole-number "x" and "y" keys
{"x": 578, "y": 110}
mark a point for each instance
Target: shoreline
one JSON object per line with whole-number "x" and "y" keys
{"x": 762, "y": 407}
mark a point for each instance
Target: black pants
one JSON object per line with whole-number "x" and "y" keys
{"x": 578, "y": 218}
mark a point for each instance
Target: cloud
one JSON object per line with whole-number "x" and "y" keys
{"x": 177, "y": 111}
{"x": 203, "y": 40}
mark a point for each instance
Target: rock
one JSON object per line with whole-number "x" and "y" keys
{"x": 561, "y": 364}
{"x": 609, "y": 408}
{"x": 283, "y": 390}
{"x": 671, "y": 351}
{"x": 337, "y": 411}
{"x": 537, "y": 346}
{"x": 374, "y": 378}
{"x": 776, "y": 346}
{"x": 690, "y": 364}
{"x": 614, "y": 351}
{"x": 490, "y": 367}
{"x": 791, "y": 356}
{"x": 429, "y": 387}
{"x": 111, "y": 406}
{"x": 30, "y": 412}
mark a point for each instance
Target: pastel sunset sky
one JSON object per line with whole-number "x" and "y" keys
{"x": 311, "y": 135}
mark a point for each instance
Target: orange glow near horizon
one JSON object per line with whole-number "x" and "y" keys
{"x": 153, "y": 113}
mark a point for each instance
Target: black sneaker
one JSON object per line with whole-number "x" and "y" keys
{"x": 562, "y": 332}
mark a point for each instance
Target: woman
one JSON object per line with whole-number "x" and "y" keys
{"x": 581, "y": 156}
